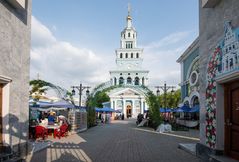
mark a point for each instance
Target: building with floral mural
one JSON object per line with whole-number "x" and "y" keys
{"x": 219, "y": 78}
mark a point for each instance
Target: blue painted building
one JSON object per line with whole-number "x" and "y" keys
{"x": 189, "y": 75}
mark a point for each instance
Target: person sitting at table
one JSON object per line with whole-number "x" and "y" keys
{"x": 51, "y": 118}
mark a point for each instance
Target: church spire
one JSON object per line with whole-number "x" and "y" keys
{"x": 129, "y": 18}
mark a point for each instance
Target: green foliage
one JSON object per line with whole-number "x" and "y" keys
{"x": 90, "y": 117}
{"x": 95, "y": 101}
{"x": 172, "y": 99}
{"x": 38, "y": 88}
{"x": 154, "y": 114}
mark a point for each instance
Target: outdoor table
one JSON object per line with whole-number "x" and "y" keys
{"x": 51, "y": 128}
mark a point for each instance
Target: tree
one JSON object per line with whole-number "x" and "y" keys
{"x": 95, "y": 101}
{"x": 38, "y": 88}
{"x": 172, "y": 99}
{"x": 154, "y": 114}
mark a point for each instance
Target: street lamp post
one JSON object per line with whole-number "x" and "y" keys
{"x": 80, "y": 88}
{"x": 165, "y": 88}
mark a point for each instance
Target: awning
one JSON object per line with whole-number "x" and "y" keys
{"x": 58, "y": 104}
{"x": 105, "y": 109}
{"x": 186, "y": 108}
{"x": 165, "y": 110}
{"x": 195, "y": 109}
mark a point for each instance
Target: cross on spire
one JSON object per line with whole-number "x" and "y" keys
{"x": 129, "y": 9}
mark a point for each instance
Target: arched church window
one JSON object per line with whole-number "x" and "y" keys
{"x": 128, "y": 34}
{"x": 126, "y": 55}
{"x": 124, "y": 36}
{"x": 137, "y": 55}
{"x": 143, "y": 81}
{"x": 121, "y": 81}
{"x": 129, "y": 80}
{"x": 121, "y": 55}
{"x": 132, "y": 55}
{"x": 136, "y": 82}
{"x": 131, "y": 45}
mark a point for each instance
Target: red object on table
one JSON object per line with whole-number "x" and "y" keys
{"x": 40, "y": 131}
{"x": 61, "y": 132}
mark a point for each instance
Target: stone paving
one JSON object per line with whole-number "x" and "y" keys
{"x": 120, "y": 141}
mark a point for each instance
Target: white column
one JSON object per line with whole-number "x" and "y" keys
{"x": 141, "y": 106}
{"x": 133, "y": 109}
{"x": 111, "y": 103}
{"x": 124, "y": 107}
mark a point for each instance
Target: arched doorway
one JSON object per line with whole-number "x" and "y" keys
{"x": 195, "y": 101}
{"x": 129, "y": 111}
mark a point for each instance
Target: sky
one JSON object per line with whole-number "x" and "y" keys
{"x": 74, "y": 41}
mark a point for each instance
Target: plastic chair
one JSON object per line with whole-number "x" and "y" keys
{"x": 40, "y": 131}
{"x": 61, "y": 132}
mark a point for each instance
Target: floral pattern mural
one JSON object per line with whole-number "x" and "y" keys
{"x": 212, "y": 70}
{"x": 223, "y": 60}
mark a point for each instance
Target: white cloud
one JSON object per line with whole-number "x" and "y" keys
{"x": 160, "y": 58}
{"x": 65, "y": 64}
{"x": 61, "y": 62}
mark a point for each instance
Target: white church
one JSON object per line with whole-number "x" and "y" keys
{"x": 129, "y": 78}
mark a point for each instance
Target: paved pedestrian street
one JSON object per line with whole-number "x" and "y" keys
{"x": 119, "y": 141}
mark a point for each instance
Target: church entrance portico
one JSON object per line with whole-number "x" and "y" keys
{"x": 129, "y": 101}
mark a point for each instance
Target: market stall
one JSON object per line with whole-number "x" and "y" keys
{"x": 49, "y": 118}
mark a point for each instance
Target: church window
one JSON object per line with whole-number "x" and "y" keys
{"x": 128, "y": 73}
{"x": 126, "y": 55}
{"x": 132, "y": 55}
{"x": 129, "y": 44}
{"x": 137, "y": 55}
{"x": 230, "y": 48}
{"x": 121, "y": 81}
{"x": 121, "y": 55}
{"x": 120, "y": 73}
{"x": 233, "y": 46}
{"x": 128, "y": 34}
{"x": 129, "y": 80}
{"x": 133, "y": 35}
{"x": 124, "y": 36}
{"x": 136, "y": 73}
{"x": 136, "y": 81}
